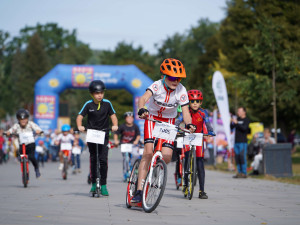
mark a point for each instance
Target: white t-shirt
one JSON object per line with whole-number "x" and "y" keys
{"x": 26, "y": 132}
{"x": 163, "y": 102}
{"x": 65, "y": 141}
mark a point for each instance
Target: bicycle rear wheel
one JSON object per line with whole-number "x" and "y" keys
{"x": 132, "y": 183}
{"x": 24, "y": 175}
{"x": 191, "y": 173}
{"x": 153, "y": 192}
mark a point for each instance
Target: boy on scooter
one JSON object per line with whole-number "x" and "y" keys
{"x": 98, "y": 110}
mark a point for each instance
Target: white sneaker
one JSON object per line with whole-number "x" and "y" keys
{"x": 61, "y": 166}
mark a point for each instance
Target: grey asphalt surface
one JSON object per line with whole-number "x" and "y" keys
{"x": 51, "y": 200}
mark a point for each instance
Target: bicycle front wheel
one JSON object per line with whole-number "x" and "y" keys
{"x": 191, "y": 173}
{"x": 24, "y": 175}
{"x": 154, "y": 190}
{"x": 132, "y": 183}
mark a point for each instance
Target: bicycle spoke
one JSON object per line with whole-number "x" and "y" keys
{"x": 154, "y": 191}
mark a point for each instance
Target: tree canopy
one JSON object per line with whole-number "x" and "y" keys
{"x": 255, "y": 41}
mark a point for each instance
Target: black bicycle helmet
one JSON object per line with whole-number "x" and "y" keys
{"x": 96, "y": 86}
{"x": 22, "y": 114}
{"x": 128, "y": 114}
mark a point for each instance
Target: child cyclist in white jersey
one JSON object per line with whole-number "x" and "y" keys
{"x": 165, "y": 95}
{"x": 65, "y": 141}
{"x": 26, "y": 127}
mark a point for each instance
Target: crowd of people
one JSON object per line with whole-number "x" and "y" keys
{"x": 164, "y": 98}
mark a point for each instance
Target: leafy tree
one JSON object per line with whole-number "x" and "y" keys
{"x": 259, "y": 39}
{"x": 58, "y": 43}
{"x": 5, "y": 80}
{"x": 125, "y": 54}
{"x": 190, "y": 49}
{"x": 28, "y": 68}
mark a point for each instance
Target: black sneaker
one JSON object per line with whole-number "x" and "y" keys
{"x": 202, "y": 195}
{"x": 37, "y": 173}
{"x": 137, "y": 198}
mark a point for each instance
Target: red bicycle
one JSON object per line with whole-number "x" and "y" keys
{"x": 24, "y": 162}
{"x": 156, "y": 179}
{"x": 24, "y": 166}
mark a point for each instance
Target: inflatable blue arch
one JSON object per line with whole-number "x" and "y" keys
{"x": 61, "y": 77}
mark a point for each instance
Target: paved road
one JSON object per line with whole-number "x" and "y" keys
{"x": 51, "y": 200}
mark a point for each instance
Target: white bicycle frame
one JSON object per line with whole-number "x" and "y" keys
{"x": 157, "y": 155}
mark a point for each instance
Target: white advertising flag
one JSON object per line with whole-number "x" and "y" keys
{"x": 220, "y": 91}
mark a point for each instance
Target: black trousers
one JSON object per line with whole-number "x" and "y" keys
{"x": 176, "y": 155}
{"x": 30, "y": 150}
{"x": 200, "y": 170}
{"x": 102, "y": 157}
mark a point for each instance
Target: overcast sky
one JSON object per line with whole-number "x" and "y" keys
{"x": 104, "y": 23}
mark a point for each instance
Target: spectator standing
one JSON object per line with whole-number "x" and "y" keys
{"x": 77, "y": 148}
{"x": 241, "y": 125}
{"x": 54, "y": 148}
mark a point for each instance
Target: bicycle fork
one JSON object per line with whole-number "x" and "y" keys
{"x": 24, "y": 159}
{"x": 155, "y": 157}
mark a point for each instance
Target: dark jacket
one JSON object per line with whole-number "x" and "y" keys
{"x": 241, "y": 129}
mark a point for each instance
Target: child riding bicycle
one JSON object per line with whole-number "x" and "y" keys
{"x": 130, "y": 134}
{"x": 26, "y": 127}
{"x": 200, "y": 119}
{"x": 77, "y": 148}
{"x": 98, "y": 111}
{"x": 164, "y": 96}
{"x": 65, "y": 141}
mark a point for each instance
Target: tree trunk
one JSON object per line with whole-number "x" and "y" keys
{"x": 274, "y": 94}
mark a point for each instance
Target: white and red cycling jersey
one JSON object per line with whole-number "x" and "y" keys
{"x": 163, "y": 102}
{"x": 65, "y": 141}
{"x": 163, "y": 106}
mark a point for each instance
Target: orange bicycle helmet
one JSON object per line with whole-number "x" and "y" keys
{"x": 173, "y": 68}
{"x": 195, "y": 95}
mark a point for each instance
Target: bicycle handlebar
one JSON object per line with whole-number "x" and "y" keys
{"x": 105, "y": 129}
{"x": 17, "y": 135}
{"x": 176, "y": 126}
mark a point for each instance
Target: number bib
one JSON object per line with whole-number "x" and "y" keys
{"x": 39, "y": 149}
{"x": 126, "y": 148}
{"x": 95, "y": 136}
{"x": 65, "y": 146}
{"x": 179, "y": 142}
{"x": 26, "y": 138}
{"x": 193, "y": 139}
{"x": 165, "y": 131}
{"x": 76, "y": 150}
